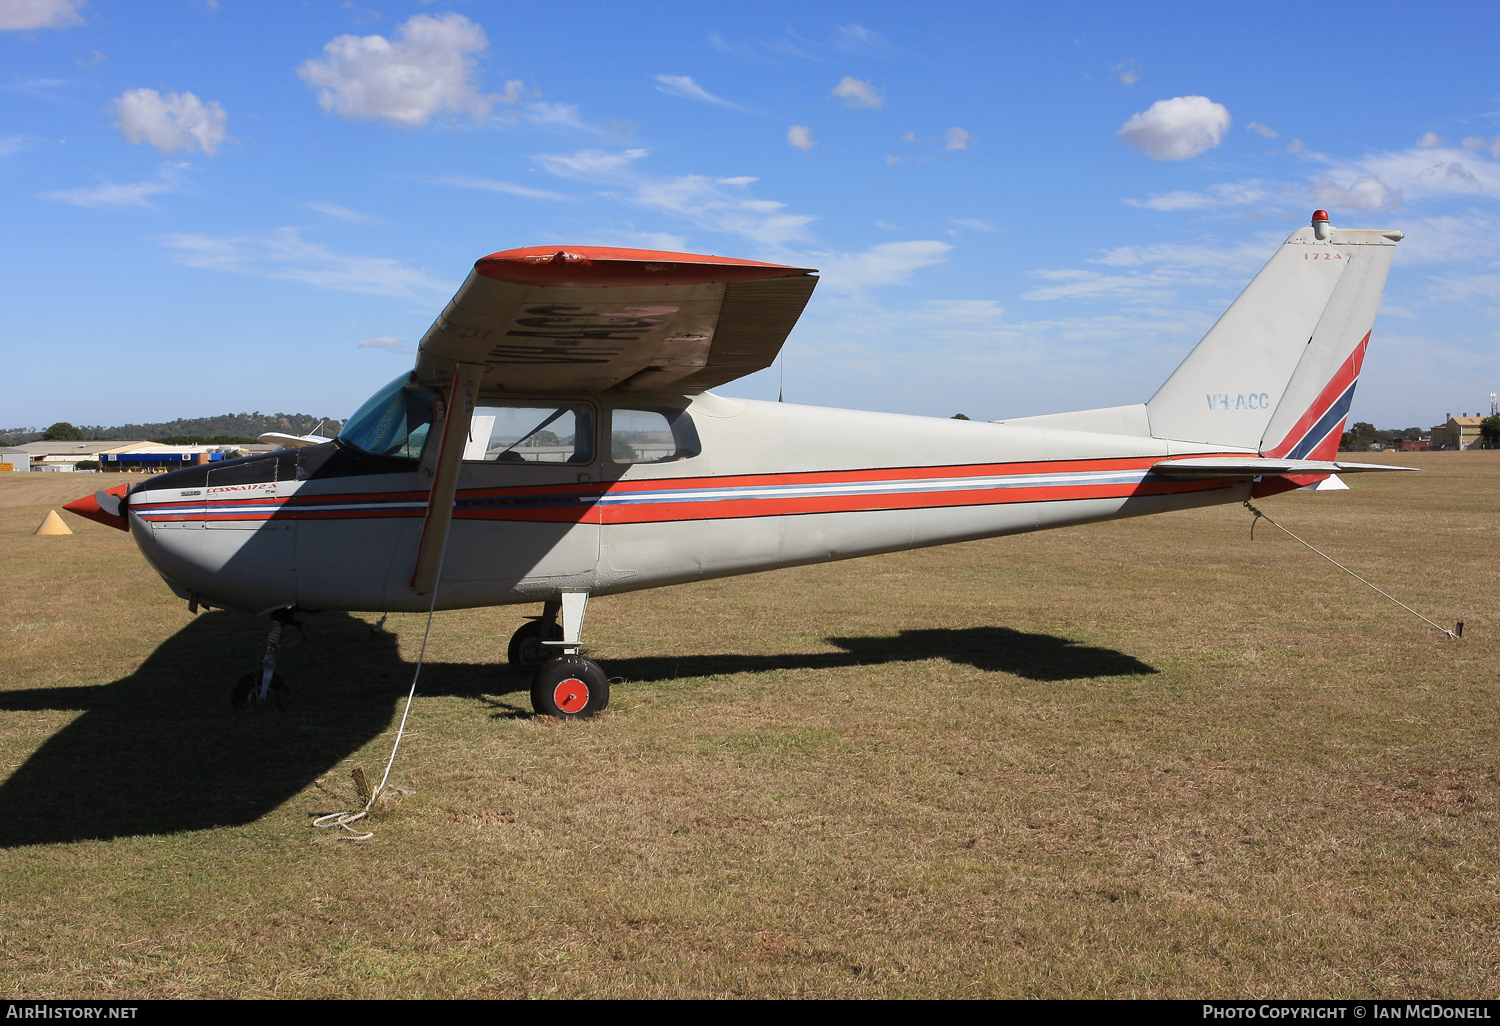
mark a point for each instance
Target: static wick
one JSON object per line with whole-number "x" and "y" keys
{"x": 1455, "y": 634}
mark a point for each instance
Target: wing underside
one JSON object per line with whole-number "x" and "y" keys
{"x": 588, "y": 319}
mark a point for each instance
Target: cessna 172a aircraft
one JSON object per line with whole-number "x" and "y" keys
{"x": 556, "y": 441}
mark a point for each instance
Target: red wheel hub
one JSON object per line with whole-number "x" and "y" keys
{"x": 571, "y": 696}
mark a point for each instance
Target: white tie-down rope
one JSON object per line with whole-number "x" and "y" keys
{"x": 1261, "y": 516}
{"x": 343, "y": 819}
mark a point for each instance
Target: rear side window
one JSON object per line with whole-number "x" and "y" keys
{"x": 531, "y": 433}
{"x": 652, "y": 436}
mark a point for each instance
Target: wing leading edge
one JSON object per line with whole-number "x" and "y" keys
{"x": 591, "y": 319}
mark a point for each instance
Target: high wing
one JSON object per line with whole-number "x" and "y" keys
{"x": 1257, "y": 466}
{"x": 590, "y": 319}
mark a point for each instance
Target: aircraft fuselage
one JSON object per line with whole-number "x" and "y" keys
{"x": 772, "y": 485}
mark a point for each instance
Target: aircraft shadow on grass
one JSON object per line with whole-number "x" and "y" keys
{"x": 161, "y": 751}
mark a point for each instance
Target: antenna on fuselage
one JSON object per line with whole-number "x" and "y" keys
{"x": 781, "y": 388}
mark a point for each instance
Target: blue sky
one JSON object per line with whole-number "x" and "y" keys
{"x": 216, "y": 207}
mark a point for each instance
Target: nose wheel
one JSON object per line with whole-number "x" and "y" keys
{"x": 265, "y": 687}
{"x": 246, "y": 693}
{"x": 570, "y": 687}
{"x": 525, "y": 650}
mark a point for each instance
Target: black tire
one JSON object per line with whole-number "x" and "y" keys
{"x": 526, "y": 650}
{"x": 247, "y": 688}
{"x": 570, "y": 687}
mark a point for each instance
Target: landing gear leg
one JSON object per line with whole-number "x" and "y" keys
{"x": 569, "y": 686}
{"x": 257, "y": 688}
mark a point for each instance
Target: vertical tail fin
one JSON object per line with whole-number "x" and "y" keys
{"x": 1277, "y": 372}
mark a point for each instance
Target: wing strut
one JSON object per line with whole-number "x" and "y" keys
{"x": 459, "y": 409}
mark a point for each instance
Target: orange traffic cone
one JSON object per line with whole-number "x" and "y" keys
{"x": 53, "y": 524}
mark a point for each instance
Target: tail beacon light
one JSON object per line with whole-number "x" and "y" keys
{"x": 1320, "y": 225}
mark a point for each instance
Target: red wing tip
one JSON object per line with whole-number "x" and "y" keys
{"x": 578, "y": 254}
{"x": 608, "y": 266}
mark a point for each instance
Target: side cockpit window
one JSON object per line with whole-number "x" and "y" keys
{"x": 652, "y": 436}
{"x": 531, "y": 432}
{"x": 394, "y": 422}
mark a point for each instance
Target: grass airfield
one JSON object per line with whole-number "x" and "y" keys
{"x": 1149, "y": 758}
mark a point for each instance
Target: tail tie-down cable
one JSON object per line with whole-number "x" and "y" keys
{"x": 1259, "y": 516}
{"x": 343, "y": 819}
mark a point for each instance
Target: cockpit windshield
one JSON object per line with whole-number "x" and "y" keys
{"x": 394, "y": 422}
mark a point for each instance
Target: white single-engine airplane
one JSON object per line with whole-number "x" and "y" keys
{"x": 556, "y": 441}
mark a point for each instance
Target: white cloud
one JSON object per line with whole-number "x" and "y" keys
{"x": 1450, "y": 238}
{"x": 1177, "y": 129}
{"x": 111, "y": 194}
{"x": 176, "y": 121}
{"x": 1459, "y": 288}
{"x": 341, "y": 213}
{"x": 429, "y": 68}
{"x": 1079, "y": 284}
{"x": 590, "y": 165}
{"x": 1365, "y": 193}
{"x": 721, "y": 205}
{"x": 1155, "y": 273}
{"x": 1265, "y": 131}
{"x": 1185, "y": 261}
{"x": 858, "y": 39}
{"x": 1417, "y": 174}
{"x": 557, "y": 115}
{"x": 974, "y": 223}
{"x": 1225, "y": 194}
{"x": 714, "y": 204}
{"x": 36, "y": 14}
{"x": 386, "y": 342}
{"x": 858, "y": 94}
{"x": 889, "y": 263}
{"x": 958, "y": 139}
{"x": 1296, "y": 146}
{"x": 494, "y": 185}
{"x": 1430, "y": 141}
{"x": 284, "y": 254}
{"x": 973, "y": 311}
{"x": 1475, "y": 143}
{"x": 800, "y": 136}
{"x": 629, "y": 240}
{"x": 684, "y": 86}
{"x": 1127, "y": 72}
{"x": 12, "y": 144}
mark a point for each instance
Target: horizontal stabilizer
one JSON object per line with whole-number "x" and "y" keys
{"x": 1259, "y": 466}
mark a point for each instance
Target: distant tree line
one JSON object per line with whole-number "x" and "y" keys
{"x": 1363, "y": 435}
{"x": 228, "y": 429}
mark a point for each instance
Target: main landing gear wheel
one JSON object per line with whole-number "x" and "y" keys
{"x": 246, "y": 691}
{"x": 570, "y": 687}
{"x": 526, "y": 650}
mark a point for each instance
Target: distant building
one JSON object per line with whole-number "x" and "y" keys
{"x": 1459, "y": 433}
{"x": 1412, "y": 444}
{"x": 12, "y": 460}
{"x": 65, "y": 456}
{"x": 113, "y": 455}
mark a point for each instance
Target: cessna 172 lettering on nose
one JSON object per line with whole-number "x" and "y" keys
{"x": 557, "y": 441}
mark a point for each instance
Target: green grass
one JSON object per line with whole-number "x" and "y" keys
{"x": 1143, "y": 758}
